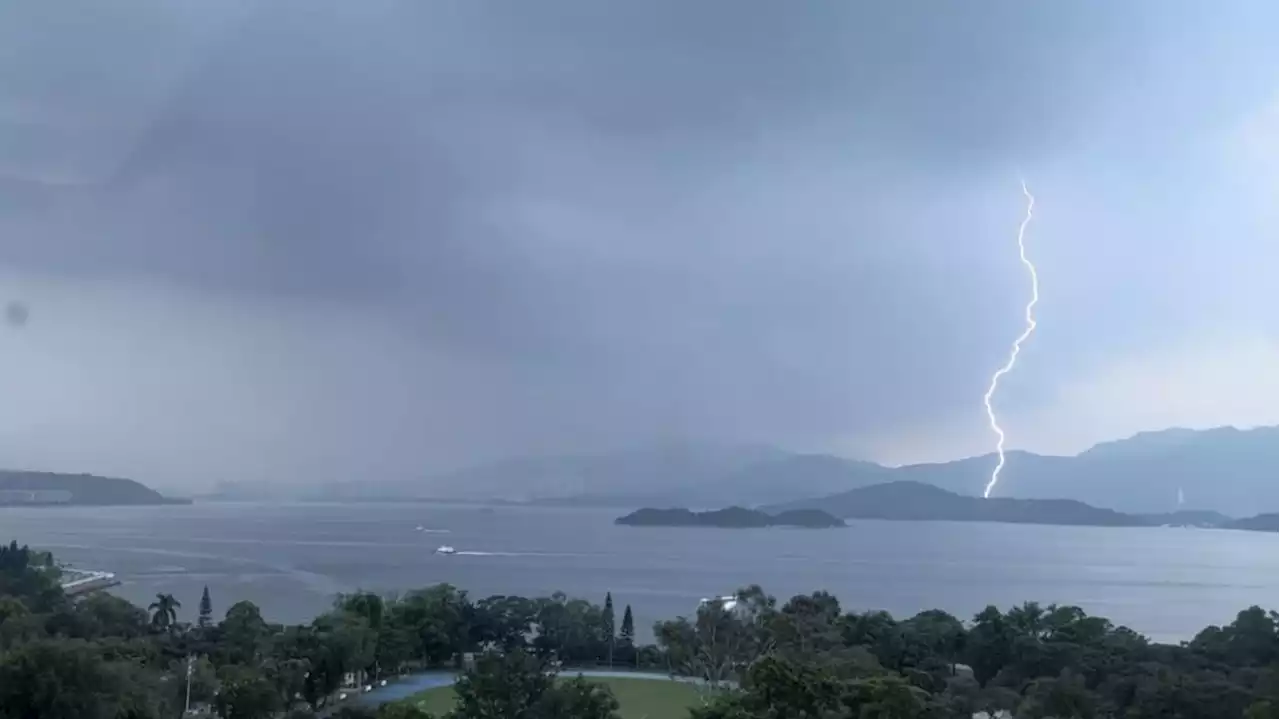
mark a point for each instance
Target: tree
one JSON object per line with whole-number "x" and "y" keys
{"x": 606, "y": 623}
{"x": 577, "y": 698}
{"x": 439, "y": 619}
{"x": 805, "y": 626}
{"x": 719, "y": 645}
{"x": 402, "y": 710}
{"x": 25, "y": 574}
{"x": 370, "y": 609}
{"x": 627, "y": 634}
{"x": 517, "y": 685}
{"x": 777, "y": 687}
{"x": 140, "y": 693}
{"x": 289, "y": 675}
{"x": 502, "y": 621}
{"x": 879, "y": 633}
{"x": 102, "y": 615}
{"x": 205, "y": 618}
{"x": 1063, "y": 696}
{"x": 204, "y": 681}
{"x": 503, "y": 686}
{"x": 990, "y": 644}
{"x": 569, "y": 629}
{"x": 341, "y": 644}
{"x": 164, "y": 611}
{"x": 12, "y": 607}
{"x": 58, "y": 679}
{"x": 243, "y": 632}
{"x": 246, "y": 694}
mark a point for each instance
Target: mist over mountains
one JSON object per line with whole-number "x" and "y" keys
{"x": 1226, "y": 470}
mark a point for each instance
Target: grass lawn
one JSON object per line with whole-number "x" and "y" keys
{"x": 637, "y": 698}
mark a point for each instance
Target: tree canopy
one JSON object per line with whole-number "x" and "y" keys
{"x": 101, "y": 657}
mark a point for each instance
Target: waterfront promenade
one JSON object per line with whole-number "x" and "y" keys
{"x": 76, "y": 582}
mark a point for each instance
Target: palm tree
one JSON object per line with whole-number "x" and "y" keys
{"x": 164, "y": 611}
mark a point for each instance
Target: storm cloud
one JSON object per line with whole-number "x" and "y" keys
{"x": 310, "y": 239}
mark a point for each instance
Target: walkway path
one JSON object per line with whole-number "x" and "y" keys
{"x": 415, "y": 683}
{"x": 81, "y": 581}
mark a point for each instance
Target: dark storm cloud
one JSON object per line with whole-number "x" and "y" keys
{"x": 685, "y": 217}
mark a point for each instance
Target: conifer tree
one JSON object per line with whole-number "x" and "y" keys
{"x": 205, "y": 619}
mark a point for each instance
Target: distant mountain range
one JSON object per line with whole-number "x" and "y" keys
{"x": 1226, "y": 470}
{"x": 685, "y": 473}
{"x": 1261, "y": 523}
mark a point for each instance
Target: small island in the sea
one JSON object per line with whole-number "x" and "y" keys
{"x": 731, "y": 517}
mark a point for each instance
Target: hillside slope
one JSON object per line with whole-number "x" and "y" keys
{"x": 52, "y": 488}
{"x": 1225, "y": 470}
{"x": 730, "y": 517}
{"x": 689, "y": 474}
{"x": 908, "y": 500}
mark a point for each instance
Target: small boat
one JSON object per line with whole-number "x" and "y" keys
{"x": 446, "y": 549}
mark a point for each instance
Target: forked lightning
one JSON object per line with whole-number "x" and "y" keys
{"x": 1017, "y": 344}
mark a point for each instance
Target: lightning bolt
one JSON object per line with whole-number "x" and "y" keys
{"x": 1017, "y": 344}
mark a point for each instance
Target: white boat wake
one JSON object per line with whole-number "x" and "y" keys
{"x": 478, "y": 553}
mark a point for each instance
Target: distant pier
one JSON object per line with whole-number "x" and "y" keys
{"x": 76, "y": 582}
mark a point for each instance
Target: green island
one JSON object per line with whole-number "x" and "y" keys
{"x": 731, "y": 517}
{"x": 500, "y": 657}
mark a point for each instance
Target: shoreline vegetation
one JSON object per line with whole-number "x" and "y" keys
{"x": 748, "y": 655}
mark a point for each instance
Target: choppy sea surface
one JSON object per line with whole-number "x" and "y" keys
{"x": 291, "y": 559}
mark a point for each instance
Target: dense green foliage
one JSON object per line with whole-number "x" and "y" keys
{"x": 807, "y": 658}
{"x": 100, "y": 657}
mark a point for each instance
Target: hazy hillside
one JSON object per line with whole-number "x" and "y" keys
{"x": 51, "y": 488}
{"x": 1224, "y": 470}
{"x": 677, "y": 473}
{"x": 970, "y": 475}
{"x": 1189, "y": 518}
{"x": 1260, "y": 523}
{"x": 907, "y": 500}
{"x": 1229, "y": 471}
{"x": 730, "y": 517}
{"x": 789, "y": 477}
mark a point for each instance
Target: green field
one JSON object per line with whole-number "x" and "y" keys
{"x": 638, "y": 698}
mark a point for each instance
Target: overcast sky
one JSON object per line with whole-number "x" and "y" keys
{"x": 310, "y": 240}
